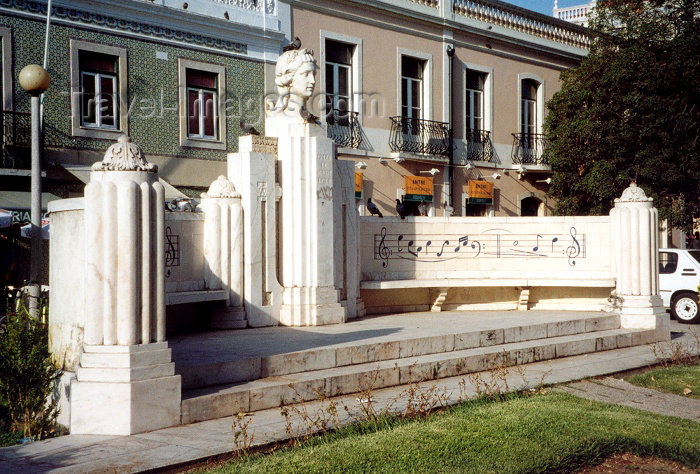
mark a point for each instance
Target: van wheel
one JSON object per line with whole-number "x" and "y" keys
{"x": 684, "y": 308}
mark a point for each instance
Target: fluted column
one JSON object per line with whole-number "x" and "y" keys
{"x": 124, "y": 230}
{"x": 634, "y": 228}
{"x": 223, "y": 250}
{"x": 126, "y": 364}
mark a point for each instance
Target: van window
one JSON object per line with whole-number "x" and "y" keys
{"x": 695, "y": 254}
{"x": 668, "y": 262}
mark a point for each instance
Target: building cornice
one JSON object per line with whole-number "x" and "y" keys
{"x": 432, "y": 15}
{"x": 155, "y": 22}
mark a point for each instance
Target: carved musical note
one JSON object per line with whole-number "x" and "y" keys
{"x": 382, "y": 250}
{"x": 573, "y": 250}
{"x": 554, "y": 240}
{"x": 447, "y": 242}
{"x": 537, "y": 245}
{"x": 410, "y": 244}
{"x": 398, "y": 244}
{"x": 427, "y": 244}
{"x": 463, "y": 241}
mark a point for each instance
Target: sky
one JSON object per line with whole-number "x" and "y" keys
{"x": 545, "y": 6}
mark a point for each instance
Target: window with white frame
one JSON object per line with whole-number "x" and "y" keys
{"x": 412, "y": 72}
{"x": 202, "y": 95}
{"x": 99, "y": 90}
{"x": 474, "y": 106}
{"x": 528, "y": 107}
{"x": 339, "y": 76}
{"x": 98, "y": 81}
{"x": 202, "y": 104}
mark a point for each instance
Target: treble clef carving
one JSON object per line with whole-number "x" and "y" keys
{"x": 171, "y": 250}
{"x": 383, "y": 251}
{"x": 573, "y": 250}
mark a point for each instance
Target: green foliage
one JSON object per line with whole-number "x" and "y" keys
{"x": 681, "y": 380}
{"x": 544, "y": 433}
{"x": 631, "y": 107}
{"x": 27, "y": 376}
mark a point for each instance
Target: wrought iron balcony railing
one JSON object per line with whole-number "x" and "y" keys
{"x": 344, "y": 128}
{"x": 478, "y": 146}
{"x": 420, "y": 136}
{"x": 16, "y": 140}
{"x": 528, "y": 149}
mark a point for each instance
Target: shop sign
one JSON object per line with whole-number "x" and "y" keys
{"x": 480, "y": 192}
{"x": 419, "y": 188}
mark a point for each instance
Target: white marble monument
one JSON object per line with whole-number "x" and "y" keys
{"x": 634, "y": 228}
{"x": 126, "y": 380}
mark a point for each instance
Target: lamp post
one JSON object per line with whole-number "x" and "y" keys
{"x": 35, "y": 80}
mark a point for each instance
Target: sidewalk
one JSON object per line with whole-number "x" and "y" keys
{"x": 208, "y": 439}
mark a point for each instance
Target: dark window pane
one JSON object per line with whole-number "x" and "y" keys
{"x": 337, "y": 52}
{"x": 107, "y": 100}
{"x": 88, "y": 100}
{"x": 96, "y": 62}
{"x": 411, "y": 67}
{"x": 193, "y": 112}
{"x": 330, "y": 79}
{"x": 343, "y": 81}
{"x": 209, "y": 104}
{"x": 416, "y": 94}
{"x": 475, "y": 80}
{"x": 529, "y": 89}
{"x": 668, "y": 262}
{"x": 201, "y": 79}
{"x": 404, "y": 91}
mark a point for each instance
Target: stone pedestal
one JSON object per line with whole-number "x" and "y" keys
{"x": 252, "y": 171}
{"x": 306, "y": 161}
{"x": 634, "y": 223}
{"x": 126, "y": 382}
{"x": 223, "y": 251}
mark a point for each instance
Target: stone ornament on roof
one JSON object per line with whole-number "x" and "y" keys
{"x": 634, "y": 194}
{"x": 221, "y": 187}
{"x": 124, "y": 156}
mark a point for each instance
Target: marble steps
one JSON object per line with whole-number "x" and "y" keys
{"x": 274, "y": 391}
{"x": 247, "y": 369}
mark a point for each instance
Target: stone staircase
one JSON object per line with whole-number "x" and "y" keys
{"x": 250, "y": 384}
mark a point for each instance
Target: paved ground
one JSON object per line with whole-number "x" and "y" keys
{"x": 184, "y": 444}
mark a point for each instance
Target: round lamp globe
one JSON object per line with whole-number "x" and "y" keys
{"x": 34, "y": 79}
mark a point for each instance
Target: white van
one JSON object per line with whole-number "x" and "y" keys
{"x": 679, "y": 276}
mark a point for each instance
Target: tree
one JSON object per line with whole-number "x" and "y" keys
{"x": 631, "y": 109}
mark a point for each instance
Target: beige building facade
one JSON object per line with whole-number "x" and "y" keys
{"x": 439, "y": 101}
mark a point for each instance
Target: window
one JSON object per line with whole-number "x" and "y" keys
{"x": 339, "y": 76}
{"x": 99, "y": 105}
{"x": 412, "y": 87}
{"x": 99, "y": 102}
{"x": 474, "y": 107}
{"x": 202, "y": 104}
{"x": 668, "y": 262}
{"x": 528, "y": 107}
{"x": 202, "y": 95}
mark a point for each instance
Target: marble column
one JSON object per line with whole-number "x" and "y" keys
{"x": 223, "y": 251}
{"x": 306, "y": 161}
{"x": 126, "y": 381}
{"x": 634, "y": 230}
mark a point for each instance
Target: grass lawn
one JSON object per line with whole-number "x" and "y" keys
{"x": 673, "y": 379}
{"x": 555, "y": 432}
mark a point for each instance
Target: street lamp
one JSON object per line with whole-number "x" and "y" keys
{"x": 35, "y": 80}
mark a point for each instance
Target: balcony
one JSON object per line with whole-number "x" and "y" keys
{"x": 423, "y": 137}
{"x": 528, "y": 149}
{"x": 478, "y": 145}
{"x": 344, "y": 128}
{"x": 16, "y": 140}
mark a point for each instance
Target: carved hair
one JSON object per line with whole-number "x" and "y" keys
{"x": 287, "y": 65}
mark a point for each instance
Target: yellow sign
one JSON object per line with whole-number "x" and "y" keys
{"x": 419, "y": 188}
{"x": 358, "y": 185}
{"x": 480, "y": 192}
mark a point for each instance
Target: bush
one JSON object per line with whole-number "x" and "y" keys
{"x": 27, "y": 376}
